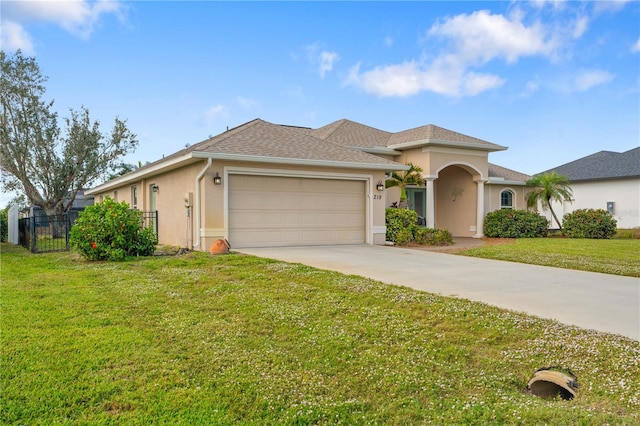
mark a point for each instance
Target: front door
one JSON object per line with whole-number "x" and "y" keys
{"x": 417, "y": 198}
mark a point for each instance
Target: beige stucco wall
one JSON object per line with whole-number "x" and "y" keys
{"x": 176, "y": 228}
{"x": 455, "y": 171}
{"x": 492, "y": 193}
{"x": 434, "y": 159}
{"x": 173, "y": 223}
{"x": 456, "y": 201}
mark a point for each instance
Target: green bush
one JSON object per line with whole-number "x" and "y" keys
{"x": 589, "y": 223}
{"x": 4, "y": 225}
{"x": 434, "y": 237}
{"x": 111, "y": 231}
{"x": 402, "y": 229}
{"x": 398, "y": 221}
{"x": 507, "y": 223}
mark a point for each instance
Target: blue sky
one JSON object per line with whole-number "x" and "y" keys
{"x": 552, "y": 80}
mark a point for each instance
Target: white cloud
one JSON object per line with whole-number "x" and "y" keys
{"x": 588, "y": 79}
{"x": 556, "y": 4}
{"x": 636, "y": 47}
{"x": 323, "y": 59}
{"x": 326, "y": 62}
{"x": 213, "y": 113}
{"x": 481, "y": 37}
{"x": 609, "y": 5}
{"x": 475, "y": 40}
{"x": 76, "y": 17}
{"x": 580, "y": 27}
{"x": 410, "y": 78}
{"x": 13, "y": 37}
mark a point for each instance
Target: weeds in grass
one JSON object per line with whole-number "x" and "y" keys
{"x": 616, "y": 256}
{"x": 236, "y": 339}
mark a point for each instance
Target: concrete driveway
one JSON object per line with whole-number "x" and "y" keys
{"x": 588, "y": 300}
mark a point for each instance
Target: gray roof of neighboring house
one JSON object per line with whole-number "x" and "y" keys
{"x": 602, "y": 165}
{"x": 496, "y": 171}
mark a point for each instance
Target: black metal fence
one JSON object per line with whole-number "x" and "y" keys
{"x": 41, "y": 233}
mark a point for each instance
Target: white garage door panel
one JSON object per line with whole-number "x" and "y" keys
{"x": 286, "y": 211}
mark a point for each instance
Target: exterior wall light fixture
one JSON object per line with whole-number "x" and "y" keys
{"x": 155, "y": 188}
{"x": 380, "y": 186}
{"x": 217, "y": 180}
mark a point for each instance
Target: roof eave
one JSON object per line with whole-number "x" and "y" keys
{"x": 500, "y": 181}
{"x": 377, "y": 150}
{"x": 300, "y": 161}
{"x": 146, "y": 171}
{"x": 438, "y": 142}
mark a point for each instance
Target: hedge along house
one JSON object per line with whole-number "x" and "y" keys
{"x": 262, "y": 184}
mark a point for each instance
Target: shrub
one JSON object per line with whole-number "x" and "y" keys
{"x": 507, "y": 223}
{"x": 402, "y": 229}
{"x": 434, "y": 237}
{"x": 111, "y": 231}
{"x": 398, "y": 220}
{"x": 4, "y": 225}
{"x": 589, "y": 223}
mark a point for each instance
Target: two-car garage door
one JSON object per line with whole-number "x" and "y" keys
{"x": 269, "y": 211}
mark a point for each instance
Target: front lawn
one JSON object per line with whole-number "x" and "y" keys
{"x": 236, "y": 339}
{"x": 618, "y": 256}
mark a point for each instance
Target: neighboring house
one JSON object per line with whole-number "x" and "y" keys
{"x": 604, "y": 180}
{"x": 263, "y": 184}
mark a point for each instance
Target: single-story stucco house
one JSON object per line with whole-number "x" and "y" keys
{"x": 264, "y": 184}
{"x": 604, "y": 180}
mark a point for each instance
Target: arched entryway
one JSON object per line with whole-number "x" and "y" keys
{"x": 458, "y": 195}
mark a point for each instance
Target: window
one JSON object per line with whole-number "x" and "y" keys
{"x": 134, "y": 197}
{"x": 506, "y": 199}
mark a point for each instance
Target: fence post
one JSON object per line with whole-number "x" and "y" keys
{"x": 32, "y": 232}
{"x": 156, "y": 213}
{"x": 67, "y": 219}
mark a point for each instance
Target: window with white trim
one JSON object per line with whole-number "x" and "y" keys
{"x": 134, "y": 197}
{"x": 506, "y": 199}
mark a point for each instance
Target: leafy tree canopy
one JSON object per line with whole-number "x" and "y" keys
{"x": 38, "y": 159}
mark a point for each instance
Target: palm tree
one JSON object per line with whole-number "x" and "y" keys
{"x": 547, "y": 187}
{"x": 404, "y": 178}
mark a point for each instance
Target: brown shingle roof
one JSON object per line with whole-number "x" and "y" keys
{"x": 262, "y": 139}
{"x": 507, "y": 174}
{"x": 350, "y": 133}
{"x": 433, "y": 133}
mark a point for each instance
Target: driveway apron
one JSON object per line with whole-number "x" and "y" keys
{"x": 602, "y": 302}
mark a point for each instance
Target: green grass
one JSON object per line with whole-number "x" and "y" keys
{"x": 236, "y": 339}
{"x": 618, "y": 256}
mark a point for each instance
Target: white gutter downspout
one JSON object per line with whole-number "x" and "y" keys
{"x": 197, "y": 206}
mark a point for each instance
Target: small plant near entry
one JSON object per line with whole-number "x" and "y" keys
{"x": 402, "y": 229}
{"x": 111, "y": 231}
{"x": 589, "y": 223}
{"x": 507, "y": 223}
{"x": 402, "y": 179}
